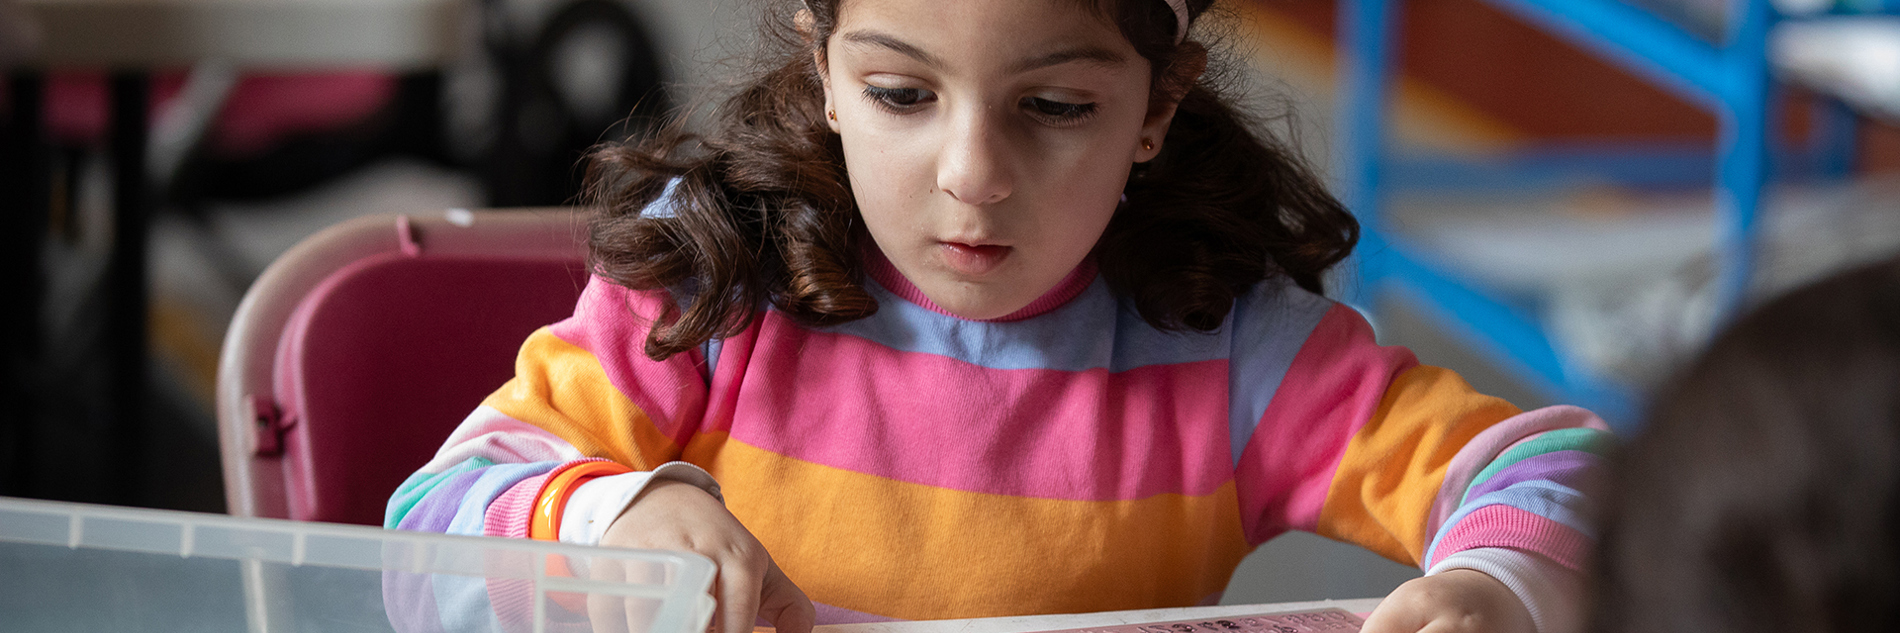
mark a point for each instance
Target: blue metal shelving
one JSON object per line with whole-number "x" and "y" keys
{"x": 1731, "y": 79}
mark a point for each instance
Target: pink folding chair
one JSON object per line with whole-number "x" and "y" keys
{"x": 357, "y": 352}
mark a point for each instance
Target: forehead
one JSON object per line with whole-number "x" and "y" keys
{"x": 983, "y": 34}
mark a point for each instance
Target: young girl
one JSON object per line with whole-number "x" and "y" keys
{"x": 996, "y": 307}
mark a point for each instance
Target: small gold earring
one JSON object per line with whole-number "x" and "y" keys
{"x": 831, "y": 114}
{"x": 1147, "y": 145}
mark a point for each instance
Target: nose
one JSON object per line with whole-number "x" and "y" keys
{"x": 974, "y": 166}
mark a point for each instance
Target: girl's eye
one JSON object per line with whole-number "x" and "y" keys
{"x": 898, "y": 100}
{"x": 1058, "y": 111}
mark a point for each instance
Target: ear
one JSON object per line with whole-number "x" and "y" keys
{"x": 1174, "y": 84}
{"x": 805, "y": 23}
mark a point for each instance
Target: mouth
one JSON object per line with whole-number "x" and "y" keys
{"x": 973, "y": 259}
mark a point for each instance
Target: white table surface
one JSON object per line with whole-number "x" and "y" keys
{"x": 1027, "y": 624}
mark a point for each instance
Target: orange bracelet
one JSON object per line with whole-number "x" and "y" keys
{"x": 552, "y": 500}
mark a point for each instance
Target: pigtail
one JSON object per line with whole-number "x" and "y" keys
{"x": 759, "y": 212}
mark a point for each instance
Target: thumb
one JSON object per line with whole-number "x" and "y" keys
{"x": 784, "y": 604}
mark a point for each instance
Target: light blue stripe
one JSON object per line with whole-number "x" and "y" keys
{"x": 462, "y": 603}
{"x": 663, "y": 205}
{"x": 493, "y": 481}
{"x": 419, "y": 485}
{"x": 711, "y": 351}
{"x": 1543, "y": 498}
{"x": 1092, "y": 331}
{"x": 1270, "y": 325}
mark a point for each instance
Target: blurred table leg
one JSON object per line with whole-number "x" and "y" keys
{"x": 126, "y": 283}
{"x": 23, "y": 209}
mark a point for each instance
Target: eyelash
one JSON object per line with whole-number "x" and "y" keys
{"x": 1053, "y": 112}
{"x": 1064, "y": 113}
{"x": 888, "y": 99}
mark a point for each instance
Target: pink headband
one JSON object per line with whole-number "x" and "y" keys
{"x": 1180, "y": 19}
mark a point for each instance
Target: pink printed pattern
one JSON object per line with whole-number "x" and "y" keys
{"x": 1333, "y": 387}
{"x": 1095, "y": 435}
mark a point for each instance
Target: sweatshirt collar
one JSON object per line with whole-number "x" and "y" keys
{"x": 886, "y": 275}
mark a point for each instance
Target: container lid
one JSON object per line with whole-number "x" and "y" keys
{"x": 79, "y": 567}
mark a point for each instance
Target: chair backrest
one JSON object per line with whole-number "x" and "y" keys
{"x": 356, "y": 353}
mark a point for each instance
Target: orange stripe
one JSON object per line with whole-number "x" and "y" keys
{"x": 913, "y": 551}
{"x": 562, "y": 388}
{"x": 1383, "y": 491}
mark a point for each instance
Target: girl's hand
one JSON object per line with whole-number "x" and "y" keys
{"x": 673, "y": 515}
{"x": 1459, "y": 600}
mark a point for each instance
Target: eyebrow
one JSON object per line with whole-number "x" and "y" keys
{"x": 1092, "y": 55}
{"x": 873, "y": 38}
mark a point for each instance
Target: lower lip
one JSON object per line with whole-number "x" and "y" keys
{"x": 973, "y": 260}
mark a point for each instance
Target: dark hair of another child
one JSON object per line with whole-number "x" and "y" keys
{"x": 1764, "y": 494}
{"x": 763, "y": 211}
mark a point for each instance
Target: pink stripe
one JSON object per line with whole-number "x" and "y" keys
{"x": 846, "y": 402}
{"x": 1332, "y": 388}
{"x": 1494, "y": 441}
{"x": 508, "y": 517}
{"x": 605, "y": 324}
{"x": 1505, "y": 526}
{"x": 887, "y": 276}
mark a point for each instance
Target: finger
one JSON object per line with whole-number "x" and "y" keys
{"x": 784, "y": 605}
{"x": 640, "y": 612}
{"x": 604, "y": 610}
{"x": 604, "y": 614}
{"x": 1392, "y": 617}
{"x": 738, "y": 597}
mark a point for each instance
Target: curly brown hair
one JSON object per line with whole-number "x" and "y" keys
{"x": 760, "y": 208}
{"x": 1763, "y": 493}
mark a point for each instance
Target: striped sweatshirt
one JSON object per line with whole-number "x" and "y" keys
{"x": 1067, "y": 458}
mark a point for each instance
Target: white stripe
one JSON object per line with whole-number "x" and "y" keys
{"x": 491, "y": 434}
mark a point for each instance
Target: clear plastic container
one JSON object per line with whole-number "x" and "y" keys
{"x": 76, "y": 567}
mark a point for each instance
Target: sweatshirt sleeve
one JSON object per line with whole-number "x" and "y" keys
{"x": 582, "y": 390}
{"x": 1361, "y": 443}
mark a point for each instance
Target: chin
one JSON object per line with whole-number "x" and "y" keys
{"x": 977, "y": 308}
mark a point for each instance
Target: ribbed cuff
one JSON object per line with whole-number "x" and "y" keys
{"x": 1551, "y": 592}
{"x": 596, "y": 503}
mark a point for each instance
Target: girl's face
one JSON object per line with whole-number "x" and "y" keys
{"x": 987, "y": 141}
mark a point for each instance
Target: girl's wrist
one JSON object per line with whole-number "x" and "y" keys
{"x": 1551, "y": 592}
{"x": 599, "y": 502}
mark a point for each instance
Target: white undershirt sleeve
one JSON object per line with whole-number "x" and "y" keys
{"x": 596, "y": 503}
{"x": 1553, "y": 593}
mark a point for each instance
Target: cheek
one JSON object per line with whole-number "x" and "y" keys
{"x": 1090, "y": 184}
{"x": 1089, "y": 165}
{"x": 888, "y": 176}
